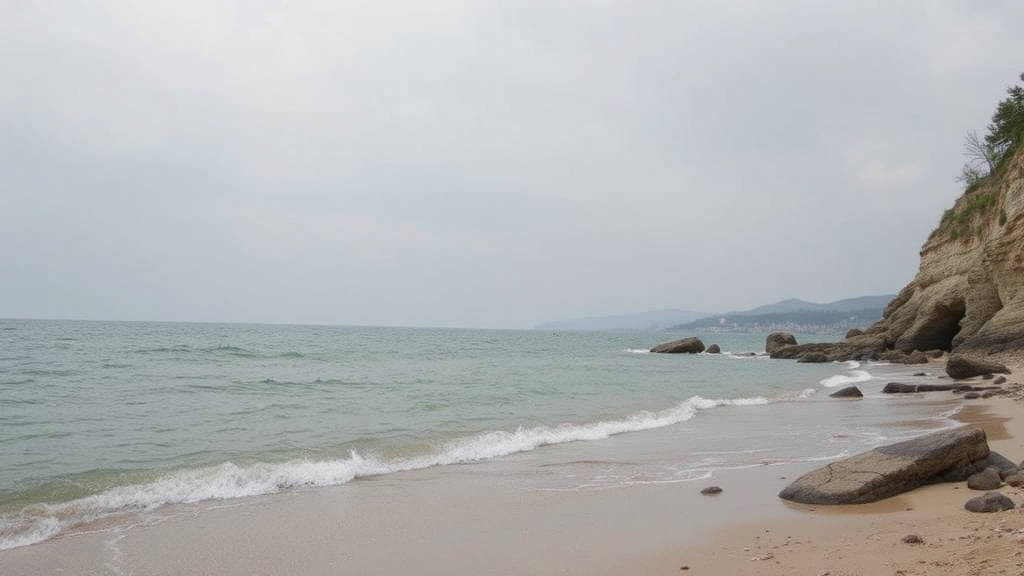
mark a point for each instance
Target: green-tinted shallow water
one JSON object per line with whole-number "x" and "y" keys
{"x": 102, "y": 417}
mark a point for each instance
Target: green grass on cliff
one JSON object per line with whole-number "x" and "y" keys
{"x": 959, "y": 221}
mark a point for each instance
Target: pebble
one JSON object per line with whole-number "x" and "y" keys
{"x": 912, "y": 539}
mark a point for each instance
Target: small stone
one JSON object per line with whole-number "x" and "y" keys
{"x": 972, "y": 396}
{"x": 920, "y": 374}
{"x": 684, "y": 567}
{"x": 999, "y": 380}
{"x": 1015, "y": 480}
{"x": 912, "y": 539}
{"x": 711, "y": 490}
{"x": 991, "y": 502}
{"x": 987, "y": 479}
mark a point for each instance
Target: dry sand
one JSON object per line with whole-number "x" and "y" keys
{"x": 868, "y": 539}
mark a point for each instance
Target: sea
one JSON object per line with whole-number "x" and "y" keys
{"x": 100, "y": 419}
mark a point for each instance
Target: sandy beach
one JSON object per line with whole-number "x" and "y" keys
{"x": 868, "y": 539}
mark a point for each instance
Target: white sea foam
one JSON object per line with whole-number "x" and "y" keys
{"x": 40, "y": 522}
{"x": 638, "y": 350}
{"x": 854, "y": 377}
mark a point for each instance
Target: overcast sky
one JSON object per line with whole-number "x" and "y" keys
{"x": 478, "y": 163}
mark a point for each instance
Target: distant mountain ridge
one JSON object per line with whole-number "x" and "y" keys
{"x": 797, "y": 316}
{"x": 649, "y": 320}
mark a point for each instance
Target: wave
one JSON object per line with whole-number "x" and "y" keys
{"x": 39, "y": 522}
{"x": 638, "y": 350}
{"x": 855, "y": 377}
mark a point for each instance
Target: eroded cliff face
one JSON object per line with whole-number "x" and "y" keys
{"x": 968, "y": 294}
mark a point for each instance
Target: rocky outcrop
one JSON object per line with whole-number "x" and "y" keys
{"x": 863, "y": 347}
{"x": 714, "y": 349}
{"x": 691, "y": 345}
{"x": 777, "y": 340}
{"x": 946, "y": 456}
{"x": 960, "y": 367}
{"x": 900, "y": 388}
{"x": 968, "y": 294}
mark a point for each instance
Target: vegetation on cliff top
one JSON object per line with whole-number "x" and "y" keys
{"x": 987, "y": 159}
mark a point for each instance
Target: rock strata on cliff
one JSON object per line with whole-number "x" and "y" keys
{"x": 968, "y": 294}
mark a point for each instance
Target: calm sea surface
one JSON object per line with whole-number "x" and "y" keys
{"x": 99, "y": 418}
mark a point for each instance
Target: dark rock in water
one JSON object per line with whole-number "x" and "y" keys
{"x": 900, "y": 388}
{"x": 972, "y": 396}
{"x": 999, "y": 380}
{"x": 991, "y": 502}
{"x": 920, "y": 374}
{"x": 854, "y": 332}
{"x": 777, "y": 340}
{"x": 814, "y": 358}
{"x": 691, "y": 345}
{"x": 714, "y": 349}
{"x": 912, "y": 539}
{"x": 711, "y": 490}
{"x": 959, "y": 367}
{"x": 987, "y": 479}
{"x": 848, "y": 392}
{"x": 948, "y": 455}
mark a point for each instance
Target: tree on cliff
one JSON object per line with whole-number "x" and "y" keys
{"x": 1005, "y": 133}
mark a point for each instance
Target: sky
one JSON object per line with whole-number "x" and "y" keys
{"x": 479, "y": 163}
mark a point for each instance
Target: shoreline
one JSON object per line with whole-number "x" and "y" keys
{"x": 471, "y": 519}
{"x": 867, "y": 538}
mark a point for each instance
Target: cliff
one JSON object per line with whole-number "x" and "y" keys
{"x": 968, "y": 294}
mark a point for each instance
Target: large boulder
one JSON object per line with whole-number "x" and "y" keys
{"x": 691, "y": 345}
{"x": 948, "y": 455}
{"x": 959, "y": 366}
{"x": 777, "y": 340}
{"x": 714, "y": 349}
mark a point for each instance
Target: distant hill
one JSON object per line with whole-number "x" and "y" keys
{"x": 650, "y": 320}
{"x": 796, "y": 315}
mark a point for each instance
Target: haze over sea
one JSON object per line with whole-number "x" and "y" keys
{"x": 99, "y": 419}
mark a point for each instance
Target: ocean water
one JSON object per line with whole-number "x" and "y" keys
{"x": 102, "y": 418}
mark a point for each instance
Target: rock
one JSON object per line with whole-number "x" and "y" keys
{"x": 916, "y": 357}
{"x": 691, "y": 345}
{"x": 988, "y": 376}
{"x": 711, "y": 491}
{"x": 777, "y": 340}
{"x": 1007, "y": 472}
{"x": 972, "y": 396}
{"x": 814, "y": 358}
{"x": 999, "y": 380}
{"x": 1015, "y": 480}
{"x": 935, "y": 353}
{"x": 912, "y": 539}
{"x": 714, "y": 349}
{"x": 900, "y": 388}
{"x": 848, "y": 392}
{"x": 854, "y": 332}
{"x": 987, "y": 479}
{"x": 991, "y": 502}
{"x": 920, "y": 374}
{"x": 959, "y": 367}
{"x": 948, "y": 455}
